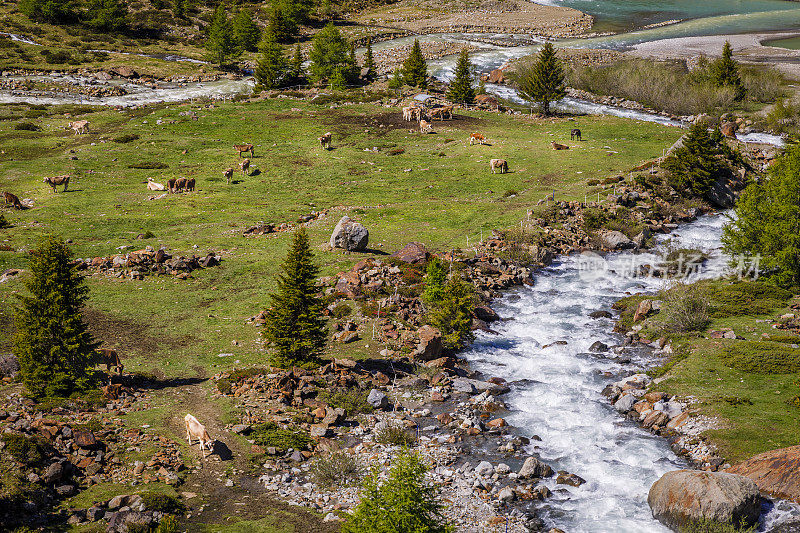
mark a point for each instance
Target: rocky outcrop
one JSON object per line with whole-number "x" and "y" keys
{"x": 413, "y": 252}
{"x": 681, "y": 497}
{"x": 430, "y": 344}
{"x": 615, "y": 240}
{"x": 776, "y": 472}
{"x": 349, "y": 235}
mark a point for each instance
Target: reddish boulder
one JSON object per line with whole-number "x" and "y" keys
{"x": 496, "y": 76}
{"x": 430, "y": 343}
{"x": 413, "y": 252}
{"x": 776, "y": 472}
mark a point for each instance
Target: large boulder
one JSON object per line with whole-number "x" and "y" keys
{"x": 430, "y": 343}
{"x": 496, "y": 76}
{"x": 413, "y": 252}
{"x": 776, "y": 472}
{"x": 9, "y": 366}
{"x": 349, "y": 235}
{"x": 615, "y": 240}
{"x": 681, "y": 497}
{"x": 533, "y": 467}
{"x": 728, "y": 129}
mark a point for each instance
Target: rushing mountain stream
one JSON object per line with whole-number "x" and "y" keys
{"x": 556, "y": 391}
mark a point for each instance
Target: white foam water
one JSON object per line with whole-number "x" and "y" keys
{"x": 556, "y": 390}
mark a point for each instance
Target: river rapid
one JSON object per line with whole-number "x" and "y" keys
{"x": 556, "y": 392}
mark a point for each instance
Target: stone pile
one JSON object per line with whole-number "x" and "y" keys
{"x": 148, "y": 261}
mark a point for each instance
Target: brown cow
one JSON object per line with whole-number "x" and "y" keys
{"x": 57, "y": 180}
{"x": 180, "y": 184}
{"x": 228, "y": 173}
{"x": 245, "y": 166}
{"x": 325, "y": 140}
{"x": 80, "y": 126}
{"x": 171, "y": 185}
{"x": 108, "y": 357}
{"x": 244, "y": 148}
{"x": 557, "y": 146}
{"x": 476, "y": 138}
{"x": 12, "y": 200}
{"x": 498, "y": 164}
{"x": 575, "y": 133}
{"x": 425, "y": 127}
{"x": 190, "y": 184}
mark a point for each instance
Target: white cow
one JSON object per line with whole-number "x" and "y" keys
{"x": 154, "y": 185}
{"x": 195, "y": 429}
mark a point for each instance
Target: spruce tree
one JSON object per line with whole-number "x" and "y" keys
{"x": 460, "y": 89}
{"x": 338, "y": 81}
{"x": 246, "y": 32}
{"x": 435, "y": 280}
{"x": 221, "y": 44}
{"x": 54, "y": 347}
{"x": 294, "y": 323}
{"x": 272, "y": 66}
{"x": 543, "y": 82}
{"x": 280, "y": 27}
{"x": 415, "y": 70}
{"x": 369, "y": 61}
{"x": 452, "y": 313}
{"x": 725, "y": 72}
{"x": 352, "y": 75}
{"x": 767, "y": 221}
{"x": 329, "y": 54}
{"x": 50, "y": 11}
{"x": 403, "y": 503}
{"x": 296, "y": 68}
{"x": 396, "y": 81}
{"x": 107, "y": 15}
{"x": 696, "y": 165}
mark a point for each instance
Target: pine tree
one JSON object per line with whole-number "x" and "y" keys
{"x": 352, "y": 75}
{"x": 107, "y": 15}
{"x": 767, "y": 221}
{"x": 280, "y": 27}
{"x": 329, "y": 54}
{"x": 725, "y": 72}
{"x": 294, "y": 323}
{"x": 246, "y": 32}
{"x": 403, "y": 503}
{"x": 543, "y": 82}
{"x": 396, "y": 81}
{"x": 452, "y": 314}
{"x": 54, "y": 347}
{"x": 338, "y": 81}
{"x": 220, "y": 44}
{"x": 696, "y": 165}
{"x": 50, "y": 11}
{"x": 369, "y": 61}
{"x": 460, "y": 89}
{"x": 296, "y": 68}
{"x": 435, "y": 280}
{"x": 272, "y": 67}
{"x": 415, "y": 70}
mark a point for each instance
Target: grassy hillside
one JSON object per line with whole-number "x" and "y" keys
{"x": 436, "y": 189}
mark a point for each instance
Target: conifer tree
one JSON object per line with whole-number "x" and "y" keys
{"x": 280, "y": 27}
{"x": 107, "y": 15}
{"x": 452, "y": 313}
{"x": 767, "y": 221}
{"x": 329, "y": 54}
{"x": 221, "y": 44}
{"x": 415, "y": 70}
{"x": 338, "y": 81}
{"x": 695, "y": 166}
{"x": 54, "y": 347}
{"x": 369, "y": 61}
{"x": 396, "y": 81}
{"x": 543, "y": 82}
{"x": 352, "y": 75}
{"x": 50, "y": 11}
{"x": 403, "y": 503}
{"x": 460, "y": 89}
{"x": 294, "y": 323}
{"x": 725, "y": 72}
{"x": 246, "y": 32}
{"x": 272, "y": 67}
{"x": 435, "y": 280}
{"x": 296, "y": 68}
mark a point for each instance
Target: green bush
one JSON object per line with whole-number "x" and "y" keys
{"x": 27, "y": 450}
{"x": 335, "y": 469}
{"x": 165, "y": 503}
{"x": 762, "y": 357}
{"x": 745, "y": 298}
{"x": 26, "y": 126}
{"x": 711, "y": 526}
{"x": 352, "y": 400}
{"x": 685, "y": 308}
{"x": 168, "y": 524}
{"x": 269, "y": 434}
{"x": 126, "y": 138}
{"x": 341, "y": 310}
{"x": 224, "y": 385}
{"x": 394, "y": 435}
{"x": 4, "y": 223}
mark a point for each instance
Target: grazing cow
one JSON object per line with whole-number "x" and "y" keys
{"x": 557, "y": 146}
{"x": 180, "y": 184}
{"x": 441, "y": 112}
{"x": 575, "y": 133}
{"x": 476, "y": 138}
{"x": 194, "y": 429}
{"x": 245, "y": 166}
{"x": 80, "y": 126}
{"x": 425, "y": 127}
{"x": 190, "y": 184}
{"x": 154, "y": 185}
{"x": 171, "y": 185}
{"x": 498, "y": 164}
{"x": 12, "y": 200}
{"x": 57, "y": 180}
{"x": 244, "y": 148}
{"x": 228, "y": 173}
{"x": 108, "y": 357}
{"x": 325, "y": 140}
{"x": 408, "y": 113}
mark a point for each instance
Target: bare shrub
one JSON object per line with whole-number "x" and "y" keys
{"x": 685, "y": 308}
{"x": 394, "y": 435}
{"x": 335, "y": 469}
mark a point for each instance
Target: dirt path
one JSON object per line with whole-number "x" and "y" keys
{"x": 225, "y": 484}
